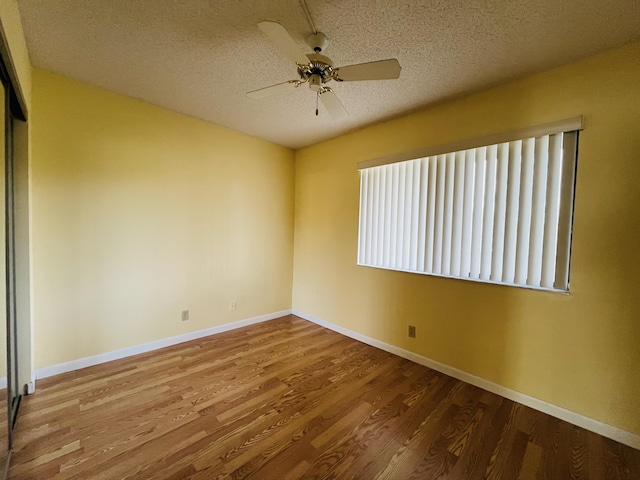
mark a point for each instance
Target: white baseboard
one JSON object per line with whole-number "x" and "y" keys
{"x": 147, "y": 347}
{"x": 3, "y": 382}
{"x": 587, "y": 423}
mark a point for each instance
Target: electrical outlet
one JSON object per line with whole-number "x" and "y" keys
{"x": 412, "y": 331}
{"x": 232, "y": 305}
{"x": 185, "y": 315}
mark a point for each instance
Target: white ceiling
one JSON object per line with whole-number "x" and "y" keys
{"x": 200, "y": 57}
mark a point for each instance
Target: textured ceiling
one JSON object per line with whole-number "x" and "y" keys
{"x": 199, "y": 57}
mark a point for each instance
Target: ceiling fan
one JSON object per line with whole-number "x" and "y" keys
{"x": 317, "y": 70}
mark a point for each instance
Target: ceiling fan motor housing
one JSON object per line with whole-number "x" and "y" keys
{"x": 318, "y": 71}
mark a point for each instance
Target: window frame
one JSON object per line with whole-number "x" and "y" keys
{"x": 569, "y": 127}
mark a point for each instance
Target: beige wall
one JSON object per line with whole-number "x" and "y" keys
{"x": 139, "y": 213}
{"x": 579, "y": 351}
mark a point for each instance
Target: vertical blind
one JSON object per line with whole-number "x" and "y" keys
{"x": 499, "y": 213}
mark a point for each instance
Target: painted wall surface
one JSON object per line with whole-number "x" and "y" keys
{"x": 139, "y": 213}
{"x": 578, "y": 351}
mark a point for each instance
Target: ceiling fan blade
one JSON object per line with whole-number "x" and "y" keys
{"x": 281, "y": 38}
{"x": 380, "y": 70}
{"x": 277, "y": 89}
{"x": 333, "y": 105}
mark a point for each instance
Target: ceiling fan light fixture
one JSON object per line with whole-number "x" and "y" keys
{"x": 315, "y": 82}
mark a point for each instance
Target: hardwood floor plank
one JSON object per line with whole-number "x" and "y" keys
{"x": 346, "y": 453}
{"x": 410, "y": 455}
{"x": 475, "y": 460}
{"x": 500, "y": 457}
{"x": 530, "y": 462}
{"x": 288, "y": 399}
{"x": 49, "y": 457}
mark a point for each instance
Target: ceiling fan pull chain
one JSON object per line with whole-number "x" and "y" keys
{"x": 317, "y": 97}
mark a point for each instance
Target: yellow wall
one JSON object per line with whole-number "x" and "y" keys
{"x": 579, "y": 351}
{"x": 139, "y": 213}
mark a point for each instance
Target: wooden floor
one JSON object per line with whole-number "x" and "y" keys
{"x": 4, "y": 431}
{"x": 288, "y": 399}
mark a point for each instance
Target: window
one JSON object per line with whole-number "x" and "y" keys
{"x": 500, "y": 212}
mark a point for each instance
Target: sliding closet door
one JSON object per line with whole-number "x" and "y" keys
{"x": 15, "y": 336}
{"x": 14, "y": 391}
{"x": 4, "y": 397}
